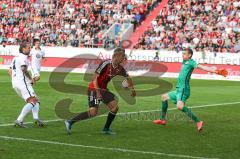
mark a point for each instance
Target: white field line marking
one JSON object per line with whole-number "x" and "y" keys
{"x": 46, "y": 121}
{"x": 127, "y": 113}
{"x": 193, "y": 107}
{"x": 103, "y": 148}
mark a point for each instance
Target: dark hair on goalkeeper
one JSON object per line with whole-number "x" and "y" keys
{"x": 190, "y": 51}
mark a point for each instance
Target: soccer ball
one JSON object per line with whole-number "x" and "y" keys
{"x": 125, "y": 83}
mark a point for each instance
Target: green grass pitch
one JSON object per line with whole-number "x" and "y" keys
{"x": 136, "y": 138}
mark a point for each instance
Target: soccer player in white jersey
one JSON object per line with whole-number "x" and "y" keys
{"x": 22, "y": 83}
{"x": 37, "y": 55}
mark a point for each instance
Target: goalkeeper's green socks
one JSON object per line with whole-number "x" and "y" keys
{"x": 190, "y": 114}
{"x": 164, "y": 110}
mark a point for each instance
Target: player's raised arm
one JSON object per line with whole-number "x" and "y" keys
{"x": 206, "y": 68}
{"x": 222, "y": 72}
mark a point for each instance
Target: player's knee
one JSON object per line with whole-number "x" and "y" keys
{"x": 93, "y": 112}
{"x": 180, "y": 107}
{"x": 115, "y": 109}
{"x": 32, "y": 100}
{"x": 164, "y": 97}
{"x": 37, "y": 78}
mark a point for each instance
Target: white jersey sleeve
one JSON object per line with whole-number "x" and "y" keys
{"x": 23, "y": 61}
{"x": 17, "y": 63}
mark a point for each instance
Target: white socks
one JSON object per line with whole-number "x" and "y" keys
{"x": 26, "y": 109}
{"x": 35, "y": 111}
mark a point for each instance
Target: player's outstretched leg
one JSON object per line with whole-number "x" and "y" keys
{"x": 26, "y": 109}
{"x": 181, "y": 106}
{"x": 111, "y": 116}
{"x": 81, "y": 116}
{"x": 162, "y": 120}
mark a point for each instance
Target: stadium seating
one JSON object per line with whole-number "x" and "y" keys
{"x": 212, "y": 25}
{"x": 77, "y": 23}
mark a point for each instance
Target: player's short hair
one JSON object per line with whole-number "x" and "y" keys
{"x": 24, "y": 44}
{"x": 190, "y": 51}
{"x": 119, "y": 51}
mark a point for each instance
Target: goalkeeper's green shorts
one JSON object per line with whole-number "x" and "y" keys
{"x": 180, "y": 94}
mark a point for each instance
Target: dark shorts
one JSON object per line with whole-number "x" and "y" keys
{"x": 107, "y": 97}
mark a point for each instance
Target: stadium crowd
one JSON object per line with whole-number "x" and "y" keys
{"x": 205, "y": 25}
{"x": 77, "y": 23}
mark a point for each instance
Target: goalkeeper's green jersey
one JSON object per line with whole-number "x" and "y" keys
{"x": 185, "y": 73}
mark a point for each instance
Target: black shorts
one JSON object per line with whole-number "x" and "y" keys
{"x": 107, "y": 97}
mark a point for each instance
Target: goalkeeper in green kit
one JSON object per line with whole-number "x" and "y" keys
{"x": 182, "y": 92}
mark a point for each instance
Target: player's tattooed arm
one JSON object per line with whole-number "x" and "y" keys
{"x": 131, "y": 86}
{"x": 99, "y": 96}
{"x": 26, "y": 73}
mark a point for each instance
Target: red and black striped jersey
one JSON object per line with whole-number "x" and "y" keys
{"x": 106, "y": 72}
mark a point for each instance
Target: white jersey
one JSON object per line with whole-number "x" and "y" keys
{"x": 37, "y": 56}
{"x": 17, "y": 73}
{"x": 20, "y": 82}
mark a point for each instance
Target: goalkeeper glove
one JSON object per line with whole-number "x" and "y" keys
{"x": 222, "y": 72}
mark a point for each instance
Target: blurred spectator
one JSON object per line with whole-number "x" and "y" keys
{"x": 156, "y": 58}
{"x": 78, "y": 23}
{"x": 212, "y": 25}
{"x": 237, "y": 47}
{"x": 4, "y": 49}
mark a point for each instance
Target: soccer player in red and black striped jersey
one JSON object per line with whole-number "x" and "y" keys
{"x": 98, "y": 91}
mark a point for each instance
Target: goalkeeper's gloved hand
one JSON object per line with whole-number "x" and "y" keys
{"x": 222, "y": 72}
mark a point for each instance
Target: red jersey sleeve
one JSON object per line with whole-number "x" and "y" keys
{"x": 123, "y": 72}
{"x": 102, "y": 66}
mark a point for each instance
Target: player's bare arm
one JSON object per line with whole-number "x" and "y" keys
{"x": 10, "y": 71}
{"x": 208, "y": 69}
{"x": 25, "y": 71}
{"x": 131, "y": 86}
{"x": 222, "y": 72}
